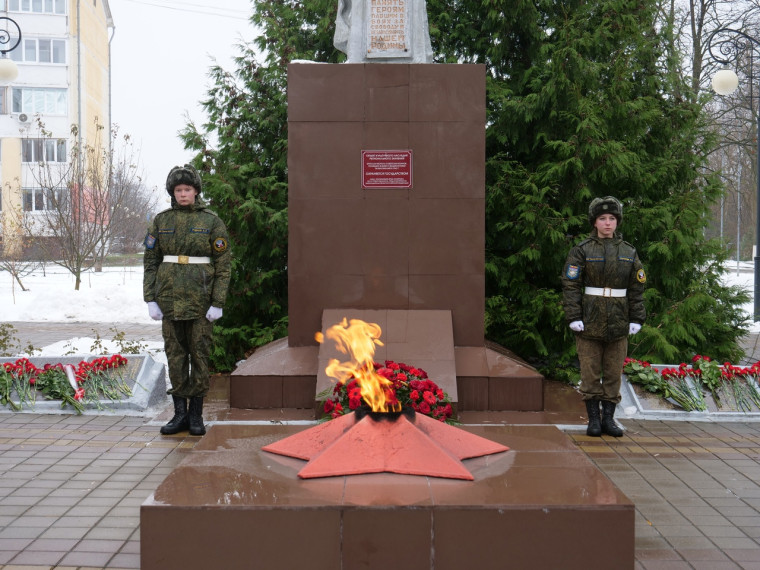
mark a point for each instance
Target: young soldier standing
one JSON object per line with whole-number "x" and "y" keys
{"x": 603, "y": 286}
{"x": 186, "y": 276}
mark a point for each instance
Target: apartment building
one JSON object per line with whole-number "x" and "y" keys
{"x": 63, "y": 83}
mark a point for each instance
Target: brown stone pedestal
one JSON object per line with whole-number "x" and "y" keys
{"x": 412, "y": 256}
{"x": 540, "y": 505}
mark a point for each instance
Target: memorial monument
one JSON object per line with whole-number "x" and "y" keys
{"x": 386, "y": 182}
{"x": 386, "y": 209}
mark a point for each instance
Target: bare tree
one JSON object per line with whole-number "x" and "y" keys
{"x": 86, "y": 200}
{"x": 733, "y": 117}
{"x": 16, "y": 254}
{"x": 127, "y": 230}
{"x": 735, "y": 120}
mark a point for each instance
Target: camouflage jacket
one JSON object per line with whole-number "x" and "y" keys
{"x": 612, "y": 263}
{"x": 186, "y": 291}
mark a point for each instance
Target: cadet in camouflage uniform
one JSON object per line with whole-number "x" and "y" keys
{"x": 603, "y": 286}
{"x": 187, "y": 273}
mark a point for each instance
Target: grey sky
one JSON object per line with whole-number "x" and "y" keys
{"x": 161, "y": 53}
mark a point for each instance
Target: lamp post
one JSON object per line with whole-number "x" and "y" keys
{"x": 8, "y": 42}
{"x": 730, "y": 43}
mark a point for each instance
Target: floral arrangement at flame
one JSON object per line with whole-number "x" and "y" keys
{"x": 686, "y": 385}
{"x": 408, "y": 386}
{"x": 85, "y": 383}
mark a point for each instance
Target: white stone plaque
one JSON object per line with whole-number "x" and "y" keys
{"x": 383, "y": 31}
{"x": 388, "y": 29}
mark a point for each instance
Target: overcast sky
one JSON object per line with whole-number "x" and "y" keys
{"x": 160, "y": 56}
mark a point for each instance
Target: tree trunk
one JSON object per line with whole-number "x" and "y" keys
{"x": 20, "y": 284}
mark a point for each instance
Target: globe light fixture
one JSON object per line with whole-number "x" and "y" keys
{"x": 8, "y": 70}
{"x": 10, "y": 37}
{"x": 725, "y": 82}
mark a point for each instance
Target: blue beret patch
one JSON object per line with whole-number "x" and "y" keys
{"x": 572, "y": 272}
{"x": 150, "y": 242}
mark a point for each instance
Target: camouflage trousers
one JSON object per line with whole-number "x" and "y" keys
{"x": 601, "y": 367}
{"x": 188, "y": 347}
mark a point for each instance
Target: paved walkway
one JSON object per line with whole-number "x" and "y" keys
{"x": 71, "y": 486}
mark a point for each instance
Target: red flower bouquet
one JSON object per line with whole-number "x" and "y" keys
{"x": 409, "y": 386}
{"x": 94, "y": 379}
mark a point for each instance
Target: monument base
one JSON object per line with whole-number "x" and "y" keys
{"x": 542, "y": 504}
{"x": 476, "y": 378}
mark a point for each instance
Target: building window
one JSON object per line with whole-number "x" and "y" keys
{"x": 39, "y": 199}
{"x": 31, "y": 100}
{"x": 3, "y": 105}
{"x": 38, "y": 6}
{"x": 40, "y": 50}
{"x": 43, "y": 150}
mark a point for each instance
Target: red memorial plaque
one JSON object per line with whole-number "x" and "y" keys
{"x": 386, "y": 169}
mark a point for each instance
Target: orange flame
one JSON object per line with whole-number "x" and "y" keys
{"x": 357, "y": 339}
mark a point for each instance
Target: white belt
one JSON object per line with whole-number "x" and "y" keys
{"x": 605, "y": 292}
{"x": 185, "y": 259}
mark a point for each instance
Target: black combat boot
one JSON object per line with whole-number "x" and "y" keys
{"x": 594, "y": 426}
{"x": 195, "y": 416}
{"x": 608, "y": 420}
{"x": 179, "y": 422}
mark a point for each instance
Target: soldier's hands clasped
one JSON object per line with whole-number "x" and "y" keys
{"x": 576, "y": 326}
{"x": 633, "y": 328}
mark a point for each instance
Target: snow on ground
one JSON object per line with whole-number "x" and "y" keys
{"x": 111, "y": 296}
{"x": 743, "y": 275}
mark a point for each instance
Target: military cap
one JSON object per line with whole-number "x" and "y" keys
{"x": 606, "y": 205}
{"x": 183, "y": 175}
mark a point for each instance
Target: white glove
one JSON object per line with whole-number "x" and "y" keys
{"x": 576, "y": 326}
{"x": 155, "y": 311}
{"x": 213, "y": 313}
{"x": 633, "y": 328}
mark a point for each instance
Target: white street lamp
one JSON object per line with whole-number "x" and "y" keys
{"x": 725, "y": 82}
{"x": 8, "y": 42}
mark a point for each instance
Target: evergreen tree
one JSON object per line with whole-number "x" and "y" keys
{"x": 580, "y": 104}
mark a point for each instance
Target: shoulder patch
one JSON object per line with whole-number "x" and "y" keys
{"x": 572, "y": 272}
{"x": 150, "y": 242}
{"x": 641, "y": 276}
{"x": 220, "y": 244}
